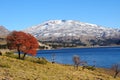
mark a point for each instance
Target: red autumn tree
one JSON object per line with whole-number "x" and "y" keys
{"x": 23, "y": 42}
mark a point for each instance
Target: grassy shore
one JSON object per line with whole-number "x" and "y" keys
{"x": 12, "y": 68}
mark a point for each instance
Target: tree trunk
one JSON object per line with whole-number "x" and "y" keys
{"x": 18, "y": 54}
{"x": 18, "y": 49}
{"x": 24, "y": 56}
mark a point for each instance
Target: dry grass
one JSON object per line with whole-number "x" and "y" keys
{"x": 14, "y": 69}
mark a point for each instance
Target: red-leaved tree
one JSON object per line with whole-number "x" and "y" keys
{"x": 23, "y": 42}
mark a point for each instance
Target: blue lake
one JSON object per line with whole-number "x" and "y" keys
{"x": 101, "y": 57}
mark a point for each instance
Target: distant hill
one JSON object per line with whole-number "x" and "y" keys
{"x": 75, "y": 32}
{"x": 3, "y": 31}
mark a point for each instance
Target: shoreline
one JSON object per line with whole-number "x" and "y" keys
{"x": 81, "y": 47}
{"x": 33, "y": 70}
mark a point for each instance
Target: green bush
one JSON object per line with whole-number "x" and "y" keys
{"x": 10, "y": 54}
{"x": 89, "y": 67}
{"x": 41, "y": 60}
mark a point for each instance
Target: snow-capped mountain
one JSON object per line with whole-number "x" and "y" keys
{"x": 56, "y": 29}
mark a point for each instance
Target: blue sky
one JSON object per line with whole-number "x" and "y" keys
{"x": 20, "y": 14}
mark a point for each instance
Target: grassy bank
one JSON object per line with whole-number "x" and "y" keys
{"x": 29, "y": 69}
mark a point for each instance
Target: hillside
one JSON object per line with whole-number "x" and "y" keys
{"x": 14, "y": 69}
{"x": 65, "y": 28}
{"x": 3, "y": 31}
{"x": 3, "y": 34}
{"x": 75, "y": 32}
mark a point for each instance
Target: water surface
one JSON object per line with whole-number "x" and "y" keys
{"x": 101, "y": 57}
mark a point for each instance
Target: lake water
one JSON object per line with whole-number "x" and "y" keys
{"x": 101, "y": 57}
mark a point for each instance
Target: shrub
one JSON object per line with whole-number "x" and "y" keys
{"x": 42, "y": 61}
{"x": 89, "y": 67}
{"x": 10, "y": 54}
{"x": 76, "y": 60}
{"x": 116, "y": 69}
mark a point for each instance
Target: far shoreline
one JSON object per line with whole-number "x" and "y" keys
{"x": 82, "y": 47}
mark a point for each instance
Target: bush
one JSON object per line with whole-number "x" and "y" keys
{"x": 116, "y": 69}
{"x": 89, "y": 67}
{"x": 42, "y": 61}
{"x": 10, "y": 54}
{"x": 76, "y": 60}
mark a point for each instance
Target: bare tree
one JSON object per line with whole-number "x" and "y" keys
{"x": 76, "y": 60}
{"x": 116, "y": 69}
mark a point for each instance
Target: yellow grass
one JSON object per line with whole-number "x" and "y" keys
{"x": 15, "y": 69}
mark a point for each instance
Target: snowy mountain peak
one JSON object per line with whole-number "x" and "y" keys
{"x": 59, "y": 22}
{"x": 69, "y": 28}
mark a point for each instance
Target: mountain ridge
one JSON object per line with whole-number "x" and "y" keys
{"x": 59, "y": 28}
{"x": 71, "y": 32}
{"x": 74, "y": 32}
